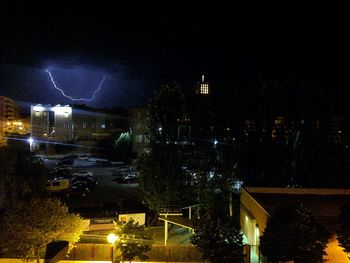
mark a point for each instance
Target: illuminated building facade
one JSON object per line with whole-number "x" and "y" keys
{"x": 10, "y": 120}
{"x": 65, "y": 124}
{"x": 51, "y": 123}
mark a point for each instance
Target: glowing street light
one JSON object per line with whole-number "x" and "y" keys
{"x": 112, "y": 238}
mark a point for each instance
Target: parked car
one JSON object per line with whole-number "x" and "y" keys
{"x": 83, "y": 173}
{"x": 78, "y": 188}
{"x": 119, "y": 179}
{"x": 132, "y": 180}
{"x": 84, "y": 157}
{"x": 69, "y": 157}
{"x": 61, "y": 173}
{"x": 57, "y": 184}
{"x": 38, "y": 159}
{"x": 65, "y": 162}
{"x": 91, "y": 183}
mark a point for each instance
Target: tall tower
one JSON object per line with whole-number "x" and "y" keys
{"x": 202, "y": 87}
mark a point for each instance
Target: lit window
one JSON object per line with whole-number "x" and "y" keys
{"x": 103, "y": 126}
{"x": 204, "y": 89}
{"x": 66, "y": 114}
{"x": 37, "y": 113}
{"x": 84, "y": 125}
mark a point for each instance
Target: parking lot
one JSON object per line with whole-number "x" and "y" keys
{"x": 111, "y": 195}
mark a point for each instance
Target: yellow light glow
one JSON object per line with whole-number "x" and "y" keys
{"x": 112, "y": 238}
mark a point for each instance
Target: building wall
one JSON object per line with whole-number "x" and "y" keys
{"x": 90, "y": 126}
{"x": 253, "y": 218}
{"x": 51, "y": 123}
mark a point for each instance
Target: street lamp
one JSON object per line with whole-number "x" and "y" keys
{"x": 112, "y": 238}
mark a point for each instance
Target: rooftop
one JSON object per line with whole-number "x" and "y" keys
{"x": 325, "y": 204}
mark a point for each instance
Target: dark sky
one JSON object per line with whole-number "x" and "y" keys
{"x": 138, "y": 48}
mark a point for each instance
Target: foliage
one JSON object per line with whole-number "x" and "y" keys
{"x": 162, "y": 179}
{"x": 124, "y": 147}
{"x": 20, "y": 177}
{"x": 343, "y": 230}
{"x": 132, "y": 241}
{"x": 218, "y": 238}
{"x": 116, "y": 147}
{"x": 30, "y": 225}
{"x": 292, "y": 233}
{"x": 166, "y": 112}
{"x": 217, "y": 234}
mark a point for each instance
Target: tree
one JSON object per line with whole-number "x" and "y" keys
{"x": 132, "y": 243}
{"x": 218, "y": 238}
{"x": 29, "y": 226}
{"x": 20, "y": 178}
{"x": 343, "y": 230}
{"x": 292, "y": 233}
{"x": 162, "y": 179}
{"x": 167, "y": 110}
{"x": 217, "y": 232}
{"x": 124, "y": 147}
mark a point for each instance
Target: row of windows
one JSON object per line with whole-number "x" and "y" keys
{"x": 84, "y": 125}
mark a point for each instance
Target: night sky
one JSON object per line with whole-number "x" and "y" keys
{"x": 138, "y": 49}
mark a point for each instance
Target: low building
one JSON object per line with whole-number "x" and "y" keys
{"x": 257, "y": 204}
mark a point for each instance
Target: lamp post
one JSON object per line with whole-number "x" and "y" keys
{"x": 112, "y": 238}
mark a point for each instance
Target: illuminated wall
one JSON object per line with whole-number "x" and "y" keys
{"x": 51, "y": 123}
{"x": 253, "y": 218}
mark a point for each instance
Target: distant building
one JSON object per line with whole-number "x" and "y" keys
{"x": 66, "y": 124}
{"x": 202, "y": 87}
{"x": 139, "y": 129}
{"x": 11, "y": 123}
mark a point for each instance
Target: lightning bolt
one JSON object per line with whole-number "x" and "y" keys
{"x": 71, "y": 98}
